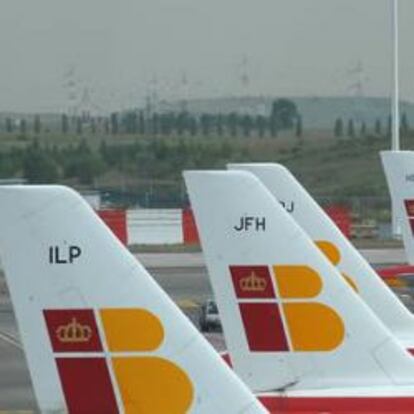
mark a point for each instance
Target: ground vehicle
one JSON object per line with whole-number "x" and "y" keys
{"x": 401, "y": 280}
{"x": 209, "y": 316}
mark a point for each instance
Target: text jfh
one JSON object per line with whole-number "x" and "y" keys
{"x": 251, "y": 223}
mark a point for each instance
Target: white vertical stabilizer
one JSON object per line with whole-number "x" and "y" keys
{"x": 321, "y": 229}
{"x": 290, "y": 319}
{"x": 399, "y": 171}
{"x": 99, "y": 334}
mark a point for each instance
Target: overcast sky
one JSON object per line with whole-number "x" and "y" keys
{"x": 121, "y": 50}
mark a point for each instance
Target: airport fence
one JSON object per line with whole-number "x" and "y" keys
{"x": 172, "y": 194}
{"x": 357, "y": 217}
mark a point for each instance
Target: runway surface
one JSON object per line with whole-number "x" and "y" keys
{"x": 183, "y": 276}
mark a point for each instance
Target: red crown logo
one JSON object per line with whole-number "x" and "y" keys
{"x": 253, "y": 283}
{"x": 74, "y": 332}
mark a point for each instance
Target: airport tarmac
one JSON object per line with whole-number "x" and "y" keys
{"x": 196, "y": 260}
{"x": 185, "y": 279}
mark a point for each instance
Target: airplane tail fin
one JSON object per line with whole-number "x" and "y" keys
{"x": 399, "y": 171}
{"x": 290, "y": 319}
{"x": 99, "y": 334}
{"x": 327, "y": 236}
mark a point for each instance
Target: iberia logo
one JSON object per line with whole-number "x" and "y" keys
{"x": 333, "y": 254}
{"x": 409, "y": 206}
{"x": 105, "y": 353}
{"x": 279, "y": 312}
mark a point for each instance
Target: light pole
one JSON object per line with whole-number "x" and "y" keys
{"x": 395, "y": 136}
{"x": 395, "y": 130}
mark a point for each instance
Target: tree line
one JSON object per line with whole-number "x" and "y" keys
{"x": 283, "y": 116}
{"x": 350, "y": 128}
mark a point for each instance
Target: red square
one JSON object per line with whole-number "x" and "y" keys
{"x": 264, "y": 328}
{"x": 87, "y": 385}
{"x": 252, "y": 282}
{"x": 409, "y": 206}
{"x": 73, "y": 330}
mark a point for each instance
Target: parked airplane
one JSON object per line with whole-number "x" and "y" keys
{"x": 99, "y": 335}
{"x": 292, "y": 323}
{"x": 399, "y": 171}
{"x": 340, "y": 251}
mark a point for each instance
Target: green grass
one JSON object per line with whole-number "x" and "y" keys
{"x": 325, "y": 165}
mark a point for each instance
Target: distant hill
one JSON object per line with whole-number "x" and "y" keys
{"x": 317, "y": 112}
